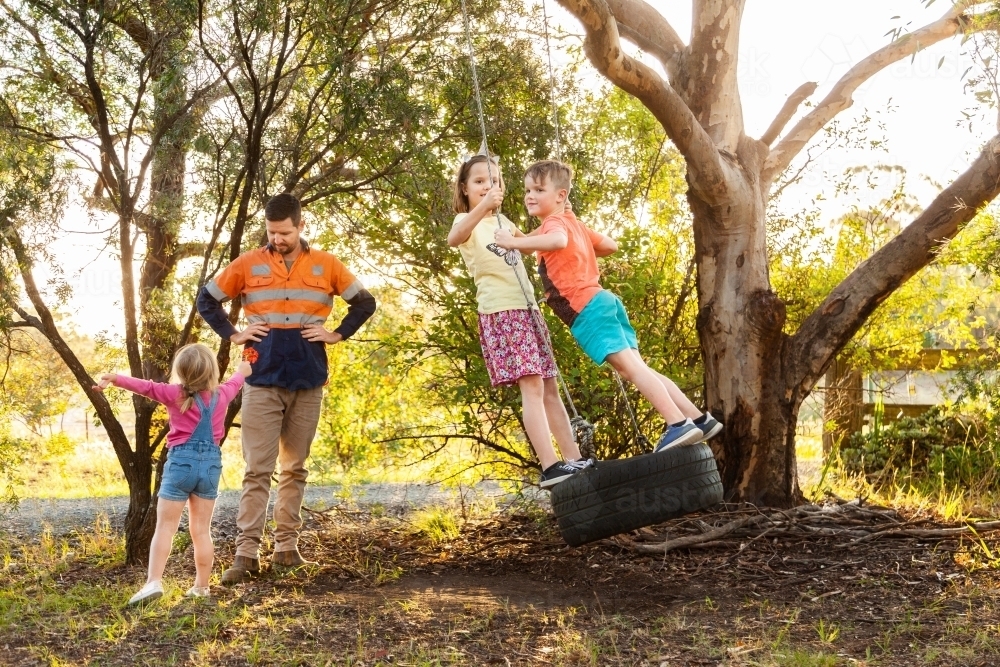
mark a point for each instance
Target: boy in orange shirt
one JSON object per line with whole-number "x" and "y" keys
{"x": 568, "y": 253}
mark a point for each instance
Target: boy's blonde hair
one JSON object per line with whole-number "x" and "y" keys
{"x": 195, "y": 369}
{"x": 460, "y": 202}
{"x": 559, "y": 173}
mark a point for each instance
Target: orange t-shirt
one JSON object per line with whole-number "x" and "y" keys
{"x": 569, "y": 276}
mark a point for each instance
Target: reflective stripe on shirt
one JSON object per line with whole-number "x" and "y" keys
{"x": 286, "y": 295}
{"x": 352, "y": 290}
{"x": 216, "y": 291}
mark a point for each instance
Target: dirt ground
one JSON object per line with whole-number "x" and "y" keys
{"x": 508, "y": 591}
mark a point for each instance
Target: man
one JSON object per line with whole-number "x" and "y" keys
{"x": 287, "y": 290}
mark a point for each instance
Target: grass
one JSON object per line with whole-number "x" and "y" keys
{"x": 372, "y": 603}
{"x": 437, "y": 524}
{"x": 944, "y": 503}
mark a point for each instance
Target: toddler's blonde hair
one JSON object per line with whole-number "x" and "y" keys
{"x": 195, "y": 369}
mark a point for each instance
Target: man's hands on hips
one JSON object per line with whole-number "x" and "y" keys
{"x": 316, "y": 333}
{"x": 254, "y": 333}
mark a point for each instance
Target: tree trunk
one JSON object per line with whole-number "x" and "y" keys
{"x": 740, "y": 324}
{"x": 160, "y": 333}
{"x": 140, "y": 519}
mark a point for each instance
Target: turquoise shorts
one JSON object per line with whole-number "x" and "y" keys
{"x": 602, "y": 328}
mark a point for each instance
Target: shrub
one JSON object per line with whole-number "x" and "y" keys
{"x": 58, "y": 447}
{"x": 938, "y": 445}
{"x": 11, "y": 456}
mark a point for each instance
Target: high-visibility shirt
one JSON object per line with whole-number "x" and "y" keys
{"x": 286, "y": 300}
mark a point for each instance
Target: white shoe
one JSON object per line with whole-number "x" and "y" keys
{"x": 148, "y": 593}
{"x": 198, "y": 592}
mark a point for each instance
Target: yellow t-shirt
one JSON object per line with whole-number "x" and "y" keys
{"x": 493, "y": 268}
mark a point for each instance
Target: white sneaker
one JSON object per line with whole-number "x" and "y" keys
{"x": 148, "y": 593}
{"x": 198, "y": 592}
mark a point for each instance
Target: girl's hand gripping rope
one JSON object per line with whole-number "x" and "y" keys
{"x": 493, "y": 198}
{"x": 504, "y": 239}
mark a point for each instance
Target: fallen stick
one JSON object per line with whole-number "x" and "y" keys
{"x": 709, "y": 536}
{"x": 983, "y": 526}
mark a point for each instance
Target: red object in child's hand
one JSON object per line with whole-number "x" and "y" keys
{"x": 250, "y": 355}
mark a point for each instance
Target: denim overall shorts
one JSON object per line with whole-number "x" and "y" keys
{"x": 194, "y": 467}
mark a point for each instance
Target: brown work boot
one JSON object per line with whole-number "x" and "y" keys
{"x": 288, "y": 559}
{"x": 241, "y": 570}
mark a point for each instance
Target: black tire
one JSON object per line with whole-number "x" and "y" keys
{"x": 618, "y": 496}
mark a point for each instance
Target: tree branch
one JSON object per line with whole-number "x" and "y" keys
{"x": 787, "y": 111}
{"x": 811, "y": 349}
{"x": 446, "y": 437}
{"x": 603, "y": 48}
{"x": 708, "y": 82}
{"x": 645, "y": 26}
{"x": 841, "y": 96}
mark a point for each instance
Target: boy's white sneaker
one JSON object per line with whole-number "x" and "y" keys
{"x": 153, "y": 590}
{"x": 198, "y": 592}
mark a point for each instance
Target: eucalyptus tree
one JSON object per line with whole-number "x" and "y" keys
{"x": 180, "y": 119}
{"x": 757, "y": 373}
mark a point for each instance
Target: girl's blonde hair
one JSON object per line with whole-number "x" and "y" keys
{"x": 460, "y": 202}
{"x": 195, "y": 369}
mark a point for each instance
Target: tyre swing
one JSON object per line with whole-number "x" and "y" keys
{"x": 621, "y": 495}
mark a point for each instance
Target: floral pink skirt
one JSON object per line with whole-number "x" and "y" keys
{"x": 512, "y": 346}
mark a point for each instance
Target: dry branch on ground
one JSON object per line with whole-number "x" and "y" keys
{"x": 852, "y": 521}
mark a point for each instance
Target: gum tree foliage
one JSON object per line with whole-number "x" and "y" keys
{"x": 757, "y": 373}
{"x": 180, "y": 119}
{"x": 37, "y": 387}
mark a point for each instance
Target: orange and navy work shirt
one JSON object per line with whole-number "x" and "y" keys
{"x": 570, "y": 276}
{"x": 286, "y": 300}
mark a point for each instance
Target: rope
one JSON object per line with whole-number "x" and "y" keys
{"x": 552, "y": 81}
{"x": 478, "y": 93}
{"x": 640, "y": 439}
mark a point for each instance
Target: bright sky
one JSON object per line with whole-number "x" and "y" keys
{"x": 784, "y": 43}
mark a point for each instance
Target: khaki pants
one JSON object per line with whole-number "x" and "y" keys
{"x": 278, "y": 425}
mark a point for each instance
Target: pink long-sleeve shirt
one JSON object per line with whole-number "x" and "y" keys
{"x": 183, "y": 424}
